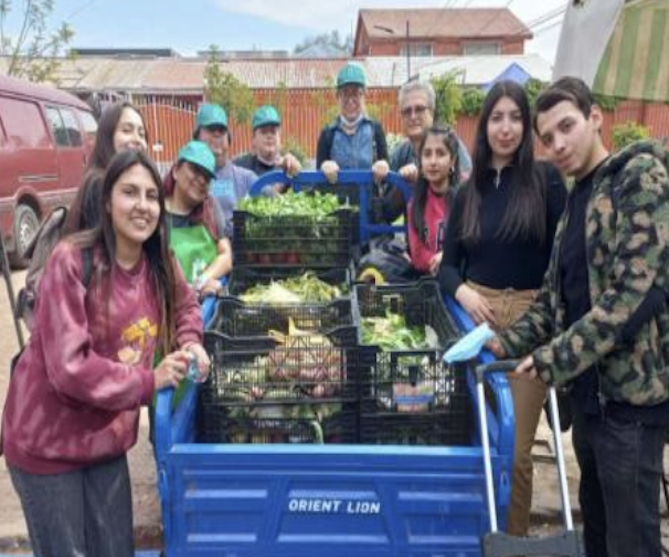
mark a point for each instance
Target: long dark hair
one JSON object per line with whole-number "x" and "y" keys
{"x": 204, "y": 214}
{"x": 526, "y": 212}
{"x": 83, "y": 209}
{"x": 156, "y": 247}
{"x": 420, "y": 191}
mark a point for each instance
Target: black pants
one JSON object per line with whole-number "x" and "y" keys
{"x": 85, "y": 513}
{"x": 619, "y": 493}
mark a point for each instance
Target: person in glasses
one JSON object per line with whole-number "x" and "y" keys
{"x": 416, "y": 100}
{"x": 353, "y": 140}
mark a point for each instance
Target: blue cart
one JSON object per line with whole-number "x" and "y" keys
{"x": 284, "y": 500}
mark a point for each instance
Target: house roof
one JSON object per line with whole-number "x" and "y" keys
{"x": 184, "y": 76}
{"x": 475, "y": 23}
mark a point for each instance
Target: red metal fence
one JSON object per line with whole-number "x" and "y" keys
{"x": 305, "y": 112}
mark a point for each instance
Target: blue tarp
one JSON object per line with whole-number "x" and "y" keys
{"x": 514, "y": 72}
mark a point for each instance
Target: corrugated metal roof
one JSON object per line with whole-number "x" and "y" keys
{"x": 186, "y": 76}
{"x": 475, "y": 70}
{"x": 452, "y": 23}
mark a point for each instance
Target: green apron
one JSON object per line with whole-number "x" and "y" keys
{"x": 195, "y": 249}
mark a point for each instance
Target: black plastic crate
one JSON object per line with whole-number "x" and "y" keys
{"x": 243, "y": 278}
{"x": 222, "y": 426}
{"x": 453, "y": 429}
{"x": 405, "y": 381}
{"x": 238, "y": 319}
{"x": 261, "y": 378}
{"x": 294, "y": 240}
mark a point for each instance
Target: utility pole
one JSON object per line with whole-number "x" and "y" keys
{"x": 408, "y": 54}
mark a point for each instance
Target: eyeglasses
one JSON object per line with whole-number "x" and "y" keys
{"x": 410, "y": 111}
{"x": 351, "y": 92}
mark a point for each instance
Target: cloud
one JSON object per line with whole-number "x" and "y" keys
{"x": 314, "y": 14}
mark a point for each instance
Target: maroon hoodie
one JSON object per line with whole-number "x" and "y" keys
{"x": 76, "y": 391}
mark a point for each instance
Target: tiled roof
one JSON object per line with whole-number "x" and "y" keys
{"x": 455, "y": 23}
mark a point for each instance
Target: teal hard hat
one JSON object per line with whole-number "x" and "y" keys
{"x": 211, "y": 115}
{"x": 351, "y": 74}
{"x": 266, "y": 115}
{"x": 198, "y": 154}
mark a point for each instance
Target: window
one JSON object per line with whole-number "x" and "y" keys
{"x": 417, "y": 49}
{"x": 481, "y": 49}
{"x": 57, "y": 127}
{"x": 72, "y": 127}
{"x": 23, "y": 124}
{"x": 89, "y": 123}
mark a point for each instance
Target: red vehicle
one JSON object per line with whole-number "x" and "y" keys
{"x": 46, "y": 136}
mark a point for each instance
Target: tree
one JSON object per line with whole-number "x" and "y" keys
{"x": 33, "y": 52}
{"x": 326, "y": 45}
{"x": 225, "y": 89}
{"x": 448, "y": 97}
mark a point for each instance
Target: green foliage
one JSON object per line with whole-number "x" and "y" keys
{"x": 605, "y": 102}
{"x": 225, "y": 89}
{"x": 33, "y": 52}
{"x": 295, "y": 148}
{"x": 449, "y": 97}
{"x": 629, "y": 132}
{"x": 533, "y": 88}
{"x": 393, "y": 140}
{"x": 472, "y": 101}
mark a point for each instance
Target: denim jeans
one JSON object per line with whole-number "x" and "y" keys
{"x": 619, "y": 493}
{"x": 85, "y": 513}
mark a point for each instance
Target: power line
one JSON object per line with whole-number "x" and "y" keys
{"x": 545, "y": 19}
{"x": 80, "y": 9}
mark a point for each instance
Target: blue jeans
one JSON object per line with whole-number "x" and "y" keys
{"x": 85, "y": 513}
{"x": 619, "y": 493}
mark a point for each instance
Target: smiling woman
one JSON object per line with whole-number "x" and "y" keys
{"x": 89, "y": 366}
{"x": 197, "y": 226}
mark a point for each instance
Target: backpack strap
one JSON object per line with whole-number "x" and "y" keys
{"x": 86, "y": 266}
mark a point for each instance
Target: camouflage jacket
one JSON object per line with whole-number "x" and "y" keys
{"x": 627, "y": 247}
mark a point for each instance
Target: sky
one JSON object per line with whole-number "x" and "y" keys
{"x": 191, "y": 25}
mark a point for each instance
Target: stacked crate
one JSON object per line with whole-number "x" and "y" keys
{"x": 284, "y": 371}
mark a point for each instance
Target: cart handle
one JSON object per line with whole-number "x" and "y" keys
{"x": 498, "y": 366}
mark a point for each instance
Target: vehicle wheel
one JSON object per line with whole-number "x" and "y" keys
{"x": 26, "y": 224}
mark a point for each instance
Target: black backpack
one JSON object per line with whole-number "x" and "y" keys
{"x": 39, "y": 250}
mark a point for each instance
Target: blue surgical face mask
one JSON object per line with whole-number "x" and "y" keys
{"x": 470, "y": 345}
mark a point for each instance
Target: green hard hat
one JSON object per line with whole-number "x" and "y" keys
{"x": 266, "y": 115}
{"x": 211, "y": 115}
{"x": 351, "y": 74}
{"x": 199, "y": 154}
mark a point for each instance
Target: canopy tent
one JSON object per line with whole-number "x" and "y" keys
{"x": 619, "y": 47}
{"x": 636, "y": 61}
{"x": 514, "y": 72}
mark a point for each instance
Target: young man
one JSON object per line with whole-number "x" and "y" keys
{"x": 266, "y": 146}
{"x": 591, "y": 325}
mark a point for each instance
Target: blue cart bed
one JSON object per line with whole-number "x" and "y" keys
{"x": 285, "y": 500}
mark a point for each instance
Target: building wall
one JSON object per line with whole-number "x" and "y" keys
{"x": 440, "y": 47}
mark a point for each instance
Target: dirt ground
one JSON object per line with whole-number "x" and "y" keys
{"x": 546, "y": 508}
